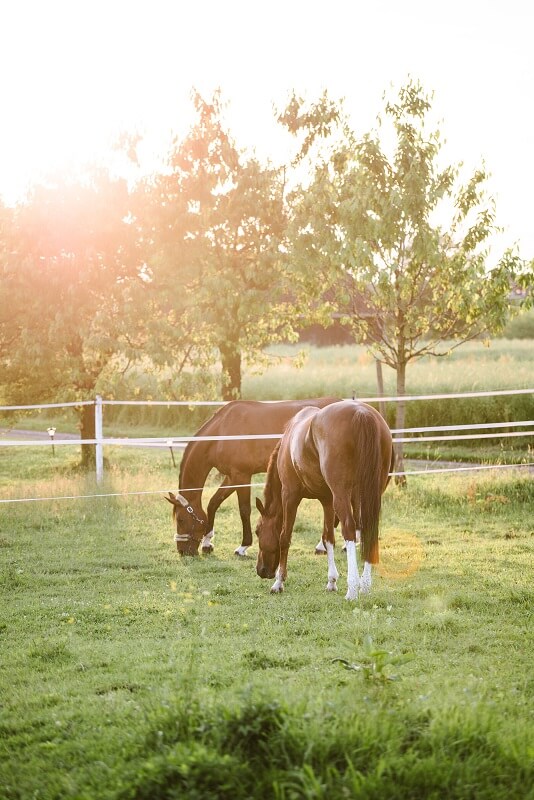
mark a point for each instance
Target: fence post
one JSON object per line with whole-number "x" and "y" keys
{"x": 99, "y": 450}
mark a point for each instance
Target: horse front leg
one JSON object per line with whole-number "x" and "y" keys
{"x": 222, "y": 493}
{"x": 289, "y": 514}
{"x": 243, "y": 497}
{"x": 320, "y": 547}
{"x": 281, "y": 572}
{"x": 280, "y": 577}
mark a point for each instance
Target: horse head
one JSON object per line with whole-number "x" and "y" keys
{"x": 268, "y": 531}
{"x": 191, "y": 524}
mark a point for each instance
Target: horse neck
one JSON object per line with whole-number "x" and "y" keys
{"x": 195, "y": 468}
{"x": 273, "y": 485}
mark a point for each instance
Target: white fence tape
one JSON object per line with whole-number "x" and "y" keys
{"x": 393, "y": 399}
{"x": 49, "y": 405}
{"x": 191, "y": 403}
{"x": 180, "y": 441}
{"x": 159, "y": 442}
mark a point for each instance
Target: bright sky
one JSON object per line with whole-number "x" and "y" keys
{"x": 77, "y": 72}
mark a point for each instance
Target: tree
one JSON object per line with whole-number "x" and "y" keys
{"x": 398, "y": 240}
{"x": 12, "y": 296}
{"x": 71, "y": 258}
{"x": 214, "y": 222}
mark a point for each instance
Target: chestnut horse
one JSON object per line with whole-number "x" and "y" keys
{"x": 340, "y": 455}
{"x": 237, "y": 460}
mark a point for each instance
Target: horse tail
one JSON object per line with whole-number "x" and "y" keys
{"x": 367, "y": 493}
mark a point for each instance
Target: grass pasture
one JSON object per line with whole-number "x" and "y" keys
{"x": 127, "y": 672}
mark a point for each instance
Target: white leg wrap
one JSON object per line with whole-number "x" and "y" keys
{"x": 241, "y": 550}
{"x": 352, "y": 572}
{"x": 333, "y": 574}
{"x": 278, "y": 585}
{"x": 365, "y": 580}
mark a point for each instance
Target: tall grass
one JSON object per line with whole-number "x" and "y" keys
{"x": 343, "y": 371}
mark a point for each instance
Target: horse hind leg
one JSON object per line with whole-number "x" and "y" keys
{"x": 333, "y": 574}
{"x": 365, "y": 580}
{"x": 351, "y": 535}
{"x": 328, "y": 539}
{"x": 353, "y": 580}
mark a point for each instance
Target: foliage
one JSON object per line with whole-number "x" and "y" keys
{"x": 215, "y": 223}
{"x": 393, "y": 239}
{"x": 71, "y": 257}
{"x": 13, "y": 295}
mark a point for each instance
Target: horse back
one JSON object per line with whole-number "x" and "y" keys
{"x": 247, "y": 418}
{"x": 257, "y": 416}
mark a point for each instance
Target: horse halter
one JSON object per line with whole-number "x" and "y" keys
{"x": 187, "y": 537}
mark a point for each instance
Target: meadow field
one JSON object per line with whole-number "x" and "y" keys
{"x": 129, "y": 672}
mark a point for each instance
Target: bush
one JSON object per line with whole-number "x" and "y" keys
{"x": 520, "y": 327}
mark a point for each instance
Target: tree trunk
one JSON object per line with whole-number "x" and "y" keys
{"x": 87, "y": 431}
{"x": 380, "y": 386}
{"x": 231, "y": 371}
{"x": 400, "y": 480}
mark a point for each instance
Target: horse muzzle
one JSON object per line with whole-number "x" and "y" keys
{"x": 185, "y": 545}
{"x": 264, "y": 572}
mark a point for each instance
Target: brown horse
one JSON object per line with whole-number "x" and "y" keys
{"x": 340, "y": 455}
{"x": 237, "y": 460}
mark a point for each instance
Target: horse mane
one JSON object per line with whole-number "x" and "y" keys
{"x": 273, "y": 487}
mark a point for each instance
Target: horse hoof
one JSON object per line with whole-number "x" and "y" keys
{"x": 207, "y": 548}
{"x": 241, "y": 552}
{"x": 319, "y": 552}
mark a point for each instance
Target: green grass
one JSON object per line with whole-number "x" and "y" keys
{"x": 127, "y": 672}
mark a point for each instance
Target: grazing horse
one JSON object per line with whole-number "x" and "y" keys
{"x": 340, "y": 455}
{"x": 237, "y": 460}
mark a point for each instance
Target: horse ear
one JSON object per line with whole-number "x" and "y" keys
{"x": 171, "y": 498}
{"x": 260, "y": 507}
